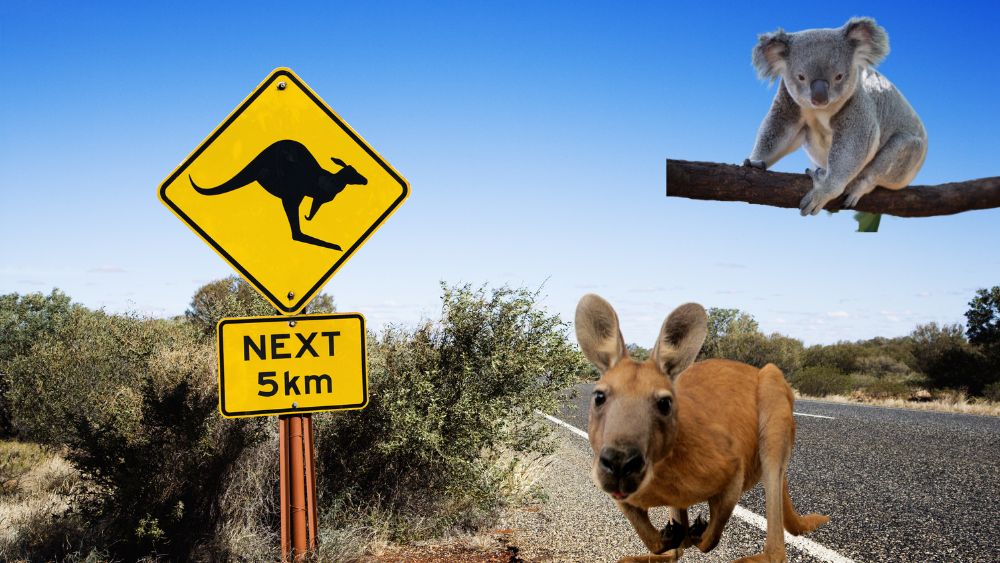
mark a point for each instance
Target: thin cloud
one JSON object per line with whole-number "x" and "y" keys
{"x": 838, "y": 314}
{"x": 107, "y": 270}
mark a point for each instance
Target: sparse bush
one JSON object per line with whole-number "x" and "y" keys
{"x": 725, "y": 328}
{"x": 887, "y": 388}
{"x": 638, "y": 353}
{"x": 819, "y": 381}
{"x": 992, "y": 392}
{"x": 882, "y": 366}
{"x": 448, "y": 402}
{"x": 234, "y": 297}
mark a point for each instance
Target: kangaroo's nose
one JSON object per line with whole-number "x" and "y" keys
{"x": 819, "y": 91}
{"x": 621, "y": 463}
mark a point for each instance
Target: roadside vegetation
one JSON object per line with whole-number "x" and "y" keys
{"x": 112, "y": 446}
{"x": 942, "y": 367}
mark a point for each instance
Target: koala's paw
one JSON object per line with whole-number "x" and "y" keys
{"x": 759, "y": 164}
{"x": 816, "y": 174}
{"x": 815, "y": 201}
{"x": 851, "y": 200}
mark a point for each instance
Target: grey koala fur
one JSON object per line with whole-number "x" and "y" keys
{"x": 857, "y": 128}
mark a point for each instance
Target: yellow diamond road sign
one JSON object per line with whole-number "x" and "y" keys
{"x": 284, "y": 191}
{"x": 275, "y": 365}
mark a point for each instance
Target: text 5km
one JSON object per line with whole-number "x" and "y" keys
{"x": 265, "y": 379}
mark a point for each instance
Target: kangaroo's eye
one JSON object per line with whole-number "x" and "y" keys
{"x": 599, "y": 398}
{"x": 839, "y": 77}
{"x": 664, "y": 404}
{"x": 801, "y": 77}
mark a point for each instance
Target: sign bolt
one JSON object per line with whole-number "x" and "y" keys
{"x": 282, "y": 85}
{"x": 291, "y": 323}
{"x": 291, "y": 295}
{"x": 295, "y": 405}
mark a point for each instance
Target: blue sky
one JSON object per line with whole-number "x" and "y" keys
{"x": 533, "y": 135}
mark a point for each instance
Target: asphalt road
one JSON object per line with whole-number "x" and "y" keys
{"x": 898, "y": 485}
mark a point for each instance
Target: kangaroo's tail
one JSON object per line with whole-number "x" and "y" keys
{"x": 794, "y": 522}
{"x": 245, "y": 176}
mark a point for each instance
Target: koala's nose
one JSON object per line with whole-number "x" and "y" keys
{"x": 621, "y": 463}
{"x": 819, "y": 91}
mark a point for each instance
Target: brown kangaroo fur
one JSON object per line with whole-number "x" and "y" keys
{"x": 670, "y": 432}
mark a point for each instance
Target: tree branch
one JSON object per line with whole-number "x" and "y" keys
{"x": 730, "y": 182}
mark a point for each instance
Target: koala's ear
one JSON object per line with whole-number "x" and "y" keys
{"x": 681, "y": 338}
{"x": 869, "y": 39}
{"x": 598, "y": 333}
{"x": 771, "y": 54}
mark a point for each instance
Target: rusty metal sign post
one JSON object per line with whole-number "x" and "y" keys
{"x": 298, "y": 485}
{"x": 252, "y": 190}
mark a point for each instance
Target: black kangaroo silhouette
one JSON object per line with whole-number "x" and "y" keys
{"x": 289, "y": 172}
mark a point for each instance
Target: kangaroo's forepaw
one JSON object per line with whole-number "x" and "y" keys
{"x": 672, "y": 535}
{"x": 759, "y": 164}
{"x": 696, "y": 529}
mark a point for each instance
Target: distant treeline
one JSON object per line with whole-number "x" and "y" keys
{"x": 932, "y": 357}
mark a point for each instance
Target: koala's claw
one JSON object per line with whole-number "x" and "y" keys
{"x": 851, "y": 200}
{"x": 759, "y": 164}
{"x": 672, "y": 535}
{"x": 814, "y": 174}
{"x": 812, "y": 203}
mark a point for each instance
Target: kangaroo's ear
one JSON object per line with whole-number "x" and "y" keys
{"x": 598, "y": 333}
{"x": 770, "y": 54}
{"x": 681, "y": 338}
{"x": 338, "y": 162}
{"x": 869, "y": 39}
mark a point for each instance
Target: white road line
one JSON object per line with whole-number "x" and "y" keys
{"x": 813, "y": 415}
{"x": 818, "y": 551}
{"x": 566, "y": 425}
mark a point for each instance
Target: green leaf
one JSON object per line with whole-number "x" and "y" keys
{"x": 867, "y": 222}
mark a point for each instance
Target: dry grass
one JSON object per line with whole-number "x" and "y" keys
{"x": 37, "y": 485}
{"x": 945, "y": 401}
{"x": 367, "y": 537}
{"x": 246, "y": 528}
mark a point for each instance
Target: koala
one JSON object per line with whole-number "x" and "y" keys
{"x": 857, "y": 128}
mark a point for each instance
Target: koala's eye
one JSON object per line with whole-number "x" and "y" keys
{"x": 839, "y": 77}
{"x": 801, "y": 77}
{"x": 664, "y": 404}
{"x": 599, "y": 398}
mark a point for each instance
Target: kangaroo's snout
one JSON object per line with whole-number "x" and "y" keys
{"x": 819, "y": 92}
{"x": 621, "y": 463}
{"x": 622, "y": 470}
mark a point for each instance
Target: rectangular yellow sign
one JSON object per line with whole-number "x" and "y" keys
{"x": 292, "y": 365}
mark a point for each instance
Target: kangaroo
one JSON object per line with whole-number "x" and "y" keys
{"x": 288, "y": 171}
{"x": 670, "y": 432}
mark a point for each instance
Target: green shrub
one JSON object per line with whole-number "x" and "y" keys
{"x": 841, "y": 356}
{"x": 133, "y": 401}
{"x": 24, "y": 319}
{"x": 448, "y": 400}
{"x": 819, "y": 381}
